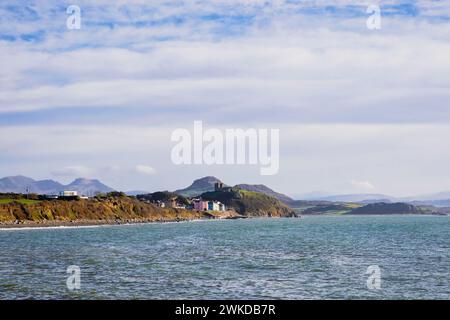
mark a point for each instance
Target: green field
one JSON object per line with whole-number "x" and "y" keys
{"x": 22, "y": 201}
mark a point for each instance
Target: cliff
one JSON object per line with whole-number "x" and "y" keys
{"x": 250, "y": 203}
{"x": 107, "y": 209}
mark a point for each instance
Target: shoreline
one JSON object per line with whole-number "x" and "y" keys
{"x": 23, "y": 225}
{"x": 26, "y": 224}
{"x": 94, "y": 223}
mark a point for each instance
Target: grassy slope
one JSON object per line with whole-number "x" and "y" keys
{"x": 336, "y": 208}
{"x": 106, "y": 209}
{"x": 249, "y": 203}
{"x": 374, "y": 208}
{"x": 21, "y": 201}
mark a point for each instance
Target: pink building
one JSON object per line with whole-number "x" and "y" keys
{"x": 200, "y": 205}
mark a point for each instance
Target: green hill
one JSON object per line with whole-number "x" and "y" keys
{"x": 162, "y": 196}
{"x": 198, "y": 187}
{"x": 249, "y": 203}
{"x": 390, "y": 208}
{"x": 113, "y": 207}
{"x": 260, "y": 188}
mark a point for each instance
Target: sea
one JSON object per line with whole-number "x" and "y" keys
{"x": 312, "y": 257}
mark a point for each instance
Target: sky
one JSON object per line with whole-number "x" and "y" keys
{"x": 359, "y": 110}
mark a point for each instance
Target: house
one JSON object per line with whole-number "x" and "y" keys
{"x": 173, "y": 203}
{"x": 200, "y": 205}
{"x": 159, "y": 203}
{"x": 210, "y": 205}
{"x": 216, "y": 206}
{"x": 68, "y": 194}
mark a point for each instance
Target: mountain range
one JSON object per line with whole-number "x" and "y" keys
{"x": 206, "y": 184}
{"x": 363, "y": 197}
{"x": 21, "y": 184}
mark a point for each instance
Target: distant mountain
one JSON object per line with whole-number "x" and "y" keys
{"x": 15, "y": 184}
{"x": 436, "y": 203}
{"x": 381, "y": 208}
{"x": 88, "y": 187}
{"x": 313, "y": 195}
{"x": 267, "y": 191}
{"x": 365, "y": 198}
{"x": 21, "y": 184}
{"x": 136, "y": 192}
{"x": 198, "y": 187}
{"x": 389, "y": 208}
{"x": 439, "y": 199}
{"x": 48, "y": 186}
{"x": 445, "y": 195}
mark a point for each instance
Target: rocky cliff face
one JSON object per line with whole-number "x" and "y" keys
{"x": 106, "y": 209}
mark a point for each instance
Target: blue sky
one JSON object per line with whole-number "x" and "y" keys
{"x": 358, "y": 110}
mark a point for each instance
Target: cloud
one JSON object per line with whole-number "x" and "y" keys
{"x": 308, "y": 73}
{"x": 72, "y": 171}
{"x": 362, "y": 185}
{"x": 366, "y": 79}
{"x": 392, "y": 157}
{"x": 348, "y": 101}
{"x": 145, "y": 169}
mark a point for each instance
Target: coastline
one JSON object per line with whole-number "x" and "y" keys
{"x": 118, "y": 209}
{"x": 98, "y": 223}
{"x": 84, "y": 223}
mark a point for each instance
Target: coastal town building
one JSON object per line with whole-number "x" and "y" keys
{"x": 200, "y": 205}
{"x": 208, "y": 205}
{"x": 68, "y": 194}
{"x": 171, "y": 203}
{"x": 49, "y": 197}
{"x": 159, "y": 203}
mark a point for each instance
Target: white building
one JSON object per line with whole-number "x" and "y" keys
{"x": 68, "y": 194}
{"x": 208, "y": 205}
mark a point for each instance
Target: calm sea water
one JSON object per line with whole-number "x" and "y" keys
{"x": 308, "y": 258}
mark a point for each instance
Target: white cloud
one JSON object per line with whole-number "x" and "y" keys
{"x": 145, "y": 169}
{"x": 399, "y": 160}
{"x": 311, "y": 75}
{"x": 290, "y": 61}
{"x": 362, "y": 185}
{"x": 282, "y": 69}
{"x": 72, "y": 171}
